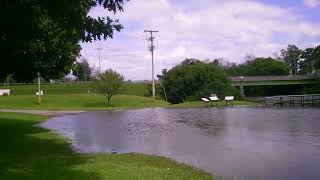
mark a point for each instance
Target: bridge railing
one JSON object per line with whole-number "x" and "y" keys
{"x": 274, "y": 78}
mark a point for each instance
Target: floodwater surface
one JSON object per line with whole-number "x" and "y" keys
{"x": 247, "y": 142}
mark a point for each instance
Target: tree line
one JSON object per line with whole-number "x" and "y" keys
{"x": 193, "y": 78}
{"x": 292, "y": 60}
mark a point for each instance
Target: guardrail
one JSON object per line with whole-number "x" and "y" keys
{"x": 274, "y": 78}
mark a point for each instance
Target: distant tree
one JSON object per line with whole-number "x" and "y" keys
{"x": 108, "y": 83}
{"x": 189, "y": 61}
{"x": 291, "y": 56}
{"x": 43, "y": 36}
{"x": 276, "y": 56}
{"x": 82, "y": 70}
{"x": 316, "y": 58}
{"x": 265, "y": 67}
{"x": 258, "y": 67}
{"x": 163, "y": 72}
{"x": 249, "y": 57}
{"x": 217, "y": 61}
{"x": 233, "y": 69}
{"x": 195, "y": 79}
{"x": 306, "y": 62}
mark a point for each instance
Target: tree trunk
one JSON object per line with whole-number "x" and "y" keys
{"x": 109, "y": 98}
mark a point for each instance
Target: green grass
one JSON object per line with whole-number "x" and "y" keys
{"x": 219, "y": 104}
{"x": 95, "y": 102}
{"x": 137, "y": 89}
{"x": 30, "y": 152}
{"x": 78, "y": 102}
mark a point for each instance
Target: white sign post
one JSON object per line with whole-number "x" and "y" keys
{"x": 39, "y": 89}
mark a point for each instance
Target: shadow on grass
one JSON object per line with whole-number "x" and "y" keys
{"x": 31, "y": 152}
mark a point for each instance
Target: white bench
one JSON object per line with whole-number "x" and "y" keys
{"x": 205, "y": 100}
{"x": 214, "y": 98}
{"x": 4, "y": 92}
{"x": 229, "y": 99}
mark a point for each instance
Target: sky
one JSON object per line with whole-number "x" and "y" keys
{"x": 202, "y": 29}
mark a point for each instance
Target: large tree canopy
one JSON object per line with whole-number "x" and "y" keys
{"x": 193, "y": 79}
{"x": 43, "y": 35}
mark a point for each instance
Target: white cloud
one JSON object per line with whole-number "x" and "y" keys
{"x": 311, "y": 3}
{"x": 229, "y": 29}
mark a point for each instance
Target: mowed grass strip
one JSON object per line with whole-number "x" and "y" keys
{"x": 137, "y": 89}
{"x": 31, "y": 152}
{"x": 78, "y": 102}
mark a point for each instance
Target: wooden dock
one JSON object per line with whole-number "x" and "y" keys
{"x": 293, "y": 100}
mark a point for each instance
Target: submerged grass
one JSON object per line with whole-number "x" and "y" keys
{"x": 31, "y": 152}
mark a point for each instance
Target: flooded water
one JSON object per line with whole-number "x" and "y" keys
{"x": 245, "y": 142}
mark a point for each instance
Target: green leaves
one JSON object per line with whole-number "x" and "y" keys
{"x": 108, "y": 83}
{"x": 194, "y": 79}
{"x": 291, "y": 56}
{"x": 258, "y": 67}
{"x": 43, "y": 36}
{"x": 82, "y": 70}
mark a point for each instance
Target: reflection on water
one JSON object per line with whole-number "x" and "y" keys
{"x": 238, "y": 142}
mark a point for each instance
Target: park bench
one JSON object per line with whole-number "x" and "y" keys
{"x": 229, "y": 99}
{"x": 4, "y": 92}
{"x": 205, "y": 101}
{"x": 214, "y": 98}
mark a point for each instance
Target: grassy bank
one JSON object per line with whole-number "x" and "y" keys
{"x": 94, "y": 102}
{"x": 31, "y": 152}
{"x": 78, "y": 102}
{"x": 219, "y": 104}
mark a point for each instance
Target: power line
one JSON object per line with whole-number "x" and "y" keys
{"x": 152, "y": 49}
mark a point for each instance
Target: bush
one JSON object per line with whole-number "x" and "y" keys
{"x": 192, "y": 80}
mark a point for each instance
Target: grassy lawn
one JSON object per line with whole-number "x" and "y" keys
{"x": 94, "y": 102}
{"x": 31, "y": 152}
{"x": 137, "y": 89}
{"x": 78, "y": 102}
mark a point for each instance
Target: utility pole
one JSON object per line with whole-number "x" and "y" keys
{"x": 151, "y": 49}
{"x": 99, "y": 49}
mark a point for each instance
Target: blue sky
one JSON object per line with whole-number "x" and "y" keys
{"x": 204, "y": 29}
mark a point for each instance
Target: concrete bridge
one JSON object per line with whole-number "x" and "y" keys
{"x": 242, "y": 81}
